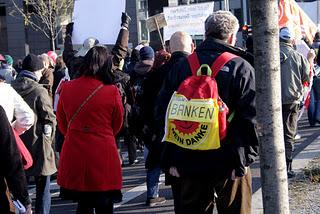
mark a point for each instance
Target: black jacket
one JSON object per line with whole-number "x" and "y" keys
{"x": 11, "y": 168}
{"x": 152, "y": 86}
{"x": 236, "y": 85}
{"x": 74, "y": 63}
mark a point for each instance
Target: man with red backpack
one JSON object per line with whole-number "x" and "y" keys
{"x": 211, "y": 163}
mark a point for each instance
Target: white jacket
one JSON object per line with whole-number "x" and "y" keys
{"x": 16, "y": 107}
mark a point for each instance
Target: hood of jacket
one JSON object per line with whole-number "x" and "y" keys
{"x": 24, "y": 85}
{"x": 143, "y": 67}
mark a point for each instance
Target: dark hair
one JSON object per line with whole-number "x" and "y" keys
{"x": 317, "y": 37}
{"x": 59, "y": 63}
{"x": 97, "y": 63}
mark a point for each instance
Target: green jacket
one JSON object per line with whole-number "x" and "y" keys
{"x": 38, "y": 144}
{"x": 295, "y": 71}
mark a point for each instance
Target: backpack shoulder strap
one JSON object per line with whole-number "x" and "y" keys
{"x": 223, "y": 59}
{"x": 194, "y": 63}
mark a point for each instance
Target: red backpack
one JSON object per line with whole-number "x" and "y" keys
{"x": 196, "y": 116}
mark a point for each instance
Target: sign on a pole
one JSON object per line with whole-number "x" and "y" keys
{"x": 156, "y": 22}
{"x": 188, "y": 18}
{"x": 101, "y": 19}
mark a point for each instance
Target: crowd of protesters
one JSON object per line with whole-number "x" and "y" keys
{"x": 72, "y": 112}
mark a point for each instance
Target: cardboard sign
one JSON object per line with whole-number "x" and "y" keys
{"x": 188, "y": 18}
{"x": 156, "y": 22}
{"x": 99, "y": 18}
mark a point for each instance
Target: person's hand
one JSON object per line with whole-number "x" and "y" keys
{"x": 69, "y": 28}
{"x": 125, "y": 20}
{"x": 28, "y": 209}
{"x": 174, "y": 172}
{"x": 233, "y": 174}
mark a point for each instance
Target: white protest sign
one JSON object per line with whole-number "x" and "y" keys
{"x": 188, "y": 18}
{"x": 302, "y": 48}
{"x": 99, "y": 18}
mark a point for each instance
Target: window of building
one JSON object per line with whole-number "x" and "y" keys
{"x": 142, "y": 5}
{"x": 192, "y": 1}
{"x": 3, "y": 30}
{"x": 144, "y": 34}
{"x": 2, "y": 10}
{"x": 238, "y": 13}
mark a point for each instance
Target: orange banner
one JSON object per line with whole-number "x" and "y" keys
{"x": 291, "y": 15}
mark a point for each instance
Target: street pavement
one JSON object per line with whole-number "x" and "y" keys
{"x": 134, "y": 190}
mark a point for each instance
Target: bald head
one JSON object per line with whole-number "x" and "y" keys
{"x": 181, "y": 41}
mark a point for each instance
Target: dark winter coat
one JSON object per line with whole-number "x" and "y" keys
{"x": 35, "y": 140}
{"x": 11, "y": 168}
{"x": 151, "y": 90}
{"x": 58, "y": 74}
{"x": 236, "y": 84}
{"x": 74, "y": 63}
{"x": 47, "y": 80}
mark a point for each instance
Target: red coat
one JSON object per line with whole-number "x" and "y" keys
{"x": 89, "y": 159}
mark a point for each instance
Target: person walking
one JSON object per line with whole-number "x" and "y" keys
{"x": 181, "y": 45}
{"x": 295, "y": 71}
{"x": 12, "y": 177}
{"x": 18, "y": 112}
{"x": 6, "y": 71}
{"x": 38, "y": 139}
{"x": 223, "y": 171}
{"x": 90, "y": 118}
{"x": 73, "y": 59}
{"x": 151, "y": 88}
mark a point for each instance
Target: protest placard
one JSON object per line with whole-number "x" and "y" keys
{"x": 188, "y": 18}
{"x": 156, "y": 22}
{"x": 302, "y": 48}
{"x": 99, "y": 18}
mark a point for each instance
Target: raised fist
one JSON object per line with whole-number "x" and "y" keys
{"x": 125, "y": 20}
{"x": 69, "y": 28}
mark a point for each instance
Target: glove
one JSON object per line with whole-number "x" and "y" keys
{"x": 69, "y": 28}
{"x": 125, "y": 20}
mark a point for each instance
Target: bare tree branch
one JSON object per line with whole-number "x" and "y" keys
{"x": 44, "y": 15}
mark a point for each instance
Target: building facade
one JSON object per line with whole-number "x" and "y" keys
{"x": 18, "y": 40}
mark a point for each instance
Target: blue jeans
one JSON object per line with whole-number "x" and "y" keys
{"x": 43, "y": 196}
{"x": 153, "y": 176}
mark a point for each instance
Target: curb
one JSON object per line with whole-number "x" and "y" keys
{"x": 300, "y": 161}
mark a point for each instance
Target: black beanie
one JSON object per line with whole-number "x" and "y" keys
{"x": 32, "y": 63}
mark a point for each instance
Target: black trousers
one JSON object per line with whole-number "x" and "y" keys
{"x": 84, "y": 207}
{"x": 197, "y": 195}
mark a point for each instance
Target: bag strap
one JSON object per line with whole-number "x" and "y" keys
{"x": 194, "y": 63}
{"x": 223, "y": 59}
{"x": 83, "y": 103}
{"x": 216, "y": 66}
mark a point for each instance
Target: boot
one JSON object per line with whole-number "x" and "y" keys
{"x": 290, "y": 173}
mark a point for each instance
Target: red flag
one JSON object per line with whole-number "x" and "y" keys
{"x": 291, "y": 15}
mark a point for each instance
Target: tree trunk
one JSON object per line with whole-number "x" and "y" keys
{"x": 52, "y": 43}
{"x": 269, "y": 115}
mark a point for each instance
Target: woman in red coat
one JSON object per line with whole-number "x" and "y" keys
{"x": 90, "y": 114}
